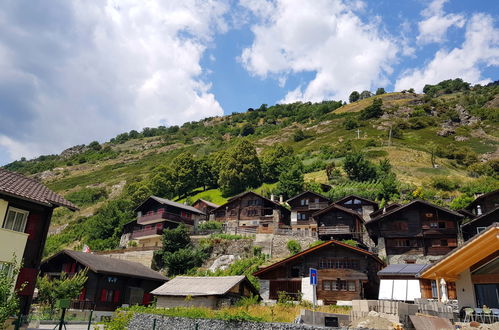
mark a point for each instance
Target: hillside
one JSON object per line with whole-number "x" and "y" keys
{"x": 455, "y": 125}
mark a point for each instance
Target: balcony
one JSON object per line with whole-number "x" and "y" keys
{"x": 160, "y": 216}
{"x": 146, "y": 233}
{"x": 335, "y": 230}
{"x": 317, "y": 206}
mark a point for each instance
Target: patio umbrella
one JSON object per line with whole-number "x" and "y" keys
{"x": 443, "y": 287}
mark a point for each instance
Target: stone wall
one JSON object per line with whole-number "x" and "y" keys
{"x": 140, "y": 255}
{"x": 145, "y": 321}
{"x": 279, "y": 244}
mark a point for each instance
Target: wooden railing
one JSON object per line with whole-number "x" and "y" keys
{"x": 317, "y": 206}
{"x": 332, "y": 230}
{"x": 146, "y": 218}
{"x": 146, "y": 232}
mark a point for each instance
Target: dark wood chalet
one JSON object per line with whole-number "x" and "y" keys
{"x": 484, "y": 203}
{"x": 415, "y": 232}
{"x": 480, "y": 223}
{"x": 111, "y": 282}
{"x": 340, "y": 223}
{"x": 156, "y": 214}
{"x": 205, "y": 206}
{"x": 252, "y": 212}
{"x": 302, "y": 208}
{"x": 26, "y": 208}
{"x": 361, "y": 205}
{"x": 344, "y": 273}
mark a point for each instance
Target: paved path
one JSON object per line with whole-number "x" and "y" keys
{"x": 69, "y": 326}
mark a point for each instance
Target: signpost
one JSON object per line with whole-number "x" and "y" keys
{"x": 313, "y": 283}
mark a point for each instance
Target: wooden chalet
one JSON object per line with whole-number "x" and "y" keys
{"x": 252, "y": 212}
{"x": 481, "y": 213}
{"x": 484, "y": 203}
{"x": 340, "y": 223}
{"x": 26, "y": 208}
{"x": 111, "y": 282}
{"x": 361, "y": 205}
{"x": 476, "y": 225}
{"x": 156, "y": 214}
{"x": 302, "y": 208}
{"x": 417, "y": 232}
{"x": 345, "y": 272}
{"x": 205, "y": 206}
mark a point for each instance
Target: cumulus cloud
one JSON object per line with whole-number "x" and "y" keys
{"x": 436, "y": 23}
{"x": 321, "y": 36}
{"x": 480, "y": 48}
{"x": 73, "y": 71}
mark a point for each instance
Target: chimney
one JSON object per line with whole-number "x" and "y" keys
{"x": 478, "y": 210}
{"x": 272, "y": 197}
{"x": 281, "y": 199}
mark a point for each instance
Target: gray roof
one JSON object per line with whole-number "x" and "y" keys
{"x": 18, "y": 185}
{"x": 107, "y": 265}
{"x": 174, "y": 204}
{"x": 198, "y": 286}
{"x": 403, "y": 269}
{"x": 208, "y": 203}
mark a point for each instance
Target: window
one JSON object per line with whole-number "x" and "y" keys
{"x": 110, "y": 295}
{"x": 401, "y": 242}
{"x": 6, "y": 268}
{"x": 351, "y": 286}
{"x": 252, "y": 212}
{"x": 338, "y": 263}
{"x": 326, "y": 285}
{"x": 480, "y": 229}
{"x": 16, "y": 219}
{"x": 433, "y": 224}
{"x": 295, "y": 272}
{"x": 338, "y": 285}
{"x": 400, "y": 225}
{"x": 443, "y": 242}
{"x": 434, "y": 289}
{"x": 302, "y": 216}
{"x": 441, "y": 225}
{"x": 304, "y": 202}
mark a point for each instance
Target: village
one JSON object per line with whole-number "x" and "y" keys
{"x": 406, "y": 264}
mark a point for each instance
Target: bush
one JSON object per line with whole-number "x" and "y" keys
{"x": 293, "y": 246}
{"x": 375, "y": 110}
{"x": 298, "y": 135}
{"x": 350, "y": 123}
{"x": 87, "y": 196}
{"x": 210, "y": 225}
{"x": 444, "y": 183}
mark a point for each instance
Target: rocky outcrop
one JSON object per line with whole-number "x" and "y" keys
{"x": 76, "y": 150}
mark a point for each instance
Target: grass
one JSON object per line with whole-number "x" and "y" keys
{"x": 389, "y": 99}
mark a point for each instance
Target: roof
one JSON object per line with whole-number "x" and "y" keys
{"x": 307, "y": 192}
{"x": 485, "y": 215}
{"x": 384, "y": 209}
{"x": 338, "y": 207}
{"x": 479, "y": 198}
{"x": 254, "y": 193}
{"x": 458, "y": 260}
{"x": 171, "y": 203}
{"x": 417, "y": 201}
{"x": 18, "y": 185}
{"x": 206, "y": 202}
{"x": 403, "y": 269}
{"x": 357, "y": 197}
{"x": 198, "y": 286}
{"x": 314, "y": 249}
{"x": 107, "y": 265}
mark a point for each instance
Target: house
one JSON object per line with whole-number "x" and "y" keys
{"x": 205, "y": 206}
{"x": 344, "y": 273}
{"x": 401, "y": 282}
{"x": 209, "y": 291}
{"x": 26, "y": 208}
{"x": 250, "y": 211}
{"x": 111, "y": 282}
{"x": 480, "y": 223}
{"x": 418, "y": 232}
{"x": 156, "y": 214}
{"x": 484, "y": 203}
{"x": 361, "y": 205}
{"x": 340, "y": 223}
{"x": 302, "y": 207}
{"x": 385, "y": 209}
{"x": 474, "y": 267}
{"x": 482, "y": 212}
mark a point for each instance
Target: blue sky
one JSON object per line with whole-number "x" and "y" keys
{"x": 72, "y": 72}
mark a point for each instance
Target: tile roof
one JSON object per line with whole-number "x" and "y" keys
{"x": 107, "y": 265}
{"x": 307, "y": 192}
{"x": 18, "y": 185}
{"x": 233, "y": 198}
{"x": 198, "y": 286}
{"x": 207, "y": 203}
{"x": 344, "y": 199}
{"x": 417, "y": 201}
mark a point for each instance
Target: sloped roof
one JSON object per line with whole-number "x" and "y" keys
{"x": 338, "y": 207}
{"x": 403, "y": 269}
{"x": 384, "y": 209}
{"x": 18, "y": 185}
{"x": 492, "y": 212}
{"x": 356, "y": 197}
{"x": 315, "y": 248}
{"x": 198, "y": 286}
{"x": 206, "y": 202}
{"x": 165, "y": 201}
{"x": 418, "y": 201}
{"x": 307, "y": 192}
{"x": 107, "y": 265}
{"x": 254, "y": 193}
{"x": 479, "y": 198}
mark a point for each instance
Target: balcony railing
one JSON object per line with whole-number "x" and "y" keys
{"x": 162, "y": 216}
{"x": 146, "y": 232}
{"x": 317, "y": 206}
{"x": 334, "y": 230}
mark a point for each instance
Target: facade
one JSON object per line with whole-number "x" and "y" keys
{"x": 418, "y": 232}
{"x": 345, "y": 273}
{"x": 480, "y": 223}
{"x": 156, "y": 214}
{"x": 484, "y": 203}
{"x": 482, "y": 212}
{"x": 25, "y": 211}
{"x": 111, "y": 282}
{"x": 211, "y": 292}
{"x": 250, "y": 211}
{"x": 474, "y": 267}
{"x": 362, "y": 206}
{"x": 205, "y": 206}
{"x": 302, "y": 208}
{"x": 340, "y": 223}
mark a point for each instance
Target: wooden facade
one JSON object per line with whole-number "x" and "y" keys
{"x": 205, "y": 206}
{"x": 416, "y": 230}
{"x": 362, "y": 206}
{"x": 479, "y": 224}
{"x": 484, "y": 203}
{"x": 302, "y": 208}
{"x": 108, "y": 286}
{"x": 251, "y": 211}
{"x": 344, "y": 273}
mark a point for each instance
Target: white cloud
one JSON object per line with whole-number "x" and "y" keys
{"x": 480, "y": 48}
{"x": 89, "y": 70}
{"x": 321, "y": 36}
{"x": 436, "y": 23}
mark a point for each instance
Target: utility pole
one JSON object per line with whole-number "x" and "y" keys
{"x": 358, "y": 134}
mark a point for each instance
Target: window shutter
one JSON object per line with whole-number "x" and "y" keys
{"x": 103, "y": 296}
{"x": 83, "y": 294}
{"x": 73, "y": 267}
{"x": 33, "y": 222}
{"x": 116, "y": 297}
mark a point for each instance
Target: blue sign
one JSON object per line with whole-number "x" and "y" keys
{"x": 313, "y": 276}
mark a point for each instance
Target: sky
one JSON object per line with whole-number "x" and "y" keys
{"x": 72, "y": 72}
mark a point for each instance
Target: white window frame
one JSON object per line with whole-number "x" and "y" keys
{"x": 25, "y": 219}
{"x": 7, "y": 268}
{"x": 480, "y": 229}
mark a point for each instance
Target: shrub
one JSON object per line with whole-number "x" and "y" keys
{"x": 444, "y": 183}
{"x": 87, "y": 196}
{"x": 210, "y": 225}
{"x": 293, "y": 246}
{"x": 298, "y": 135}
{"x": 350, "y": 123}
{"x": 350, "y": 242}
{"x": 375, "y": 110}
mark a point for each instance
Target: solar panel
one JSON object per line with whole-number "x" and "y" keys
{"x": 391, "y": 269}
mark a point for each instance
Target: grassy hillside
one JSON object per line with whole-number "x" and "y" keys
{"x": 458, "y": 127}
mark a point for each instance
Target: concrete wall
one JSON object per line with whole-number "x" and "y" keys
{"x": 145, "y": 321}
{"x": 170, "y": 301}
{"x": 465, "y": 290}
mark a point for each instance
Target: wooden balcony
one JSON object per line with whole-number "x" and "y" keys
{"x": 148, "y": 232}
{"x": 317, "y": 206}
{"x": 335, "y": 230}
{"x": 156, "y": 217}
